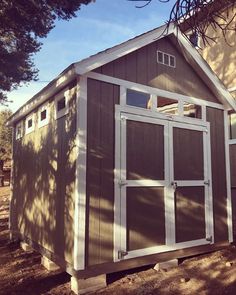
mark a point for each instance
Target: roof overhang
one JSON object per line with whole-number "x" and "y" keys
{"x": 48, "y": 91}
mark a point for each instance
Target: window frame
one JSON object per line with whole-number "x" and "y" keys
{"x": 19, "y": 136}
{"x": 44, "y": 122}
{"x": 163, "y": 59}
{"x": 63, "y": 112}
{"x": 31, "y": 128}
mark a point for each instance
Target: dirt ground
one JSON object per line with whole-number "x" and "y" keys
{"x": 21, "y": 272}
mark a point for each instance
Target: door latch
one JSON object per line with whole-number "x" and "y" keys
{"x": 122, "y": 182}
{"x": 207, "y": 182}
{"x": 174, "y": 185}
{"x": 122, "y": 254}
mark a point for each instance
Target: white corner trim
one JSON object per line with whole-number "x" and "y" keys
{"x": 63, "y": 112}
{"x": 11, "y": 181}
{"x": 32, "y": 128}
{"x": 120, "y": 50}
{"x": 228, "y": 179}
{"x": 80, "y": 182}
{"x": 44, "y": 107}
{"x": 224, "y": 95}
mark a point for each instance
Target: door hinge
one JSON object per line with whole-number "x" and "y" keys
{"x": 209, "y": 239}
{"x": 207, "y": 182}
{"x": 122, "y": 182}
{"x": 122, "y": 254}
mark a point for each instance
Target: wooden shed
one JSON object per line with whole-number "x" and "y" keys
{"x": 123, "y": 160}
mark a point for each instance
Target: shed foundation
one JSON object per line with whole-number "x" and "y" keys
{"x": 26, "y": 247}
{"x": 48, "y": 264}
{"x": 167, "y": 265}
{"x": 83, "y": 286}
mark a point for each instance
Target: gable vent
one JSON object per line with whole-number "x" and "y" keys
{"x": 166, "y": 59}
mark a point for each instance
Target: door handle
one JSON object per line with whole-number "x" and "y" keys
{"x": 174, "y": 185}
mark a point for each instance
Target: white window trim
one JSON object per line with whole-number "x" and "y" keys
{"x": 44, "y": 122}
{"x": 32, "y": 128}
{"x": 169, "y": 55}
{"x": 19, "y": 136}
{"x": 63, "y": 112}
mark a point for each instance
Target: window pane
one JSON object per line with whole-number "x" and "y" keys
{"x": 30, "y": 123}
{"x": 160, "y": 57}
{"x": 138, "y": 99}
{"x": 172, "y": 61}
{"x": 167, "y": 105}
{"x": 232, "y": 121}
{"x": 166, "y": 59}
{"x": 61, "y": 104}
{"x": 43, "y": 115}
{"x": 192, "y": 110}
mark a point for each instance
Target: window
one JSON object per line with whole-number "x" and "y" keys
{"x": 138, "y": 99}
{"x": 61, "y": 104}
{"x": 192, "y": 110}
{"x": 30, "y": 123}
{"x": 166, "y": 59}
{"x": 167, "y": 105}
{"x": 43, "y": 115}
{"x": 19, "y": 130}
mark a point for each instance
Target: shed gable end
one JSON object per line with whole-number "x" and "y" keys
{"x": 142, "y": 66}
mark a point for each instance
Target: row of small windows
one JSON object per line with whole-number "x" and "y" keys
{"x": 61, "y": 109}
{"x": 163, "y": 104}
{"x": 166, "y": 59}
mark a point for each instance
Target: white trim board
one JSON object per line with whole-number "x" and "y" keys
{"x": 152, "y": 90}
{"x": 228, "y": 179}
{"x": 80, "y": 180}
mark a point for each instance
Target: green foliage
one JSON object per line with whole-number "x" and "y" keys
{"x": 5, "y": 135}
{"x": 22, "y": 24}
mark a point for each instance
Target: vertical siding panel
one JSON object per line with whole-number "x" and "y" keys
{"x": 93, "y": 172}
{"x": 108, "y": 69}
{"x": 216, "y": 119}
{"x": 131, "y": 67}
{"x": 107, "y": 178}
{"x": 102, "y": 98}
{"x": 120, "y": 68}
{"x": 151, "y": 63}
{"x": 142, "y": 66}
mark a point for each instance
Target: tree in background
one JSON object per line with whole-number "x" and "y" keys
{"x": 22, "y": 24}
{"x": 5, "y": 136}
{"x": 199, "y": 15}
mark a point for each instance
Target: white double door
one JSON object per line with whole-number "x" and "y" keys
{"x": 163, "y": 195}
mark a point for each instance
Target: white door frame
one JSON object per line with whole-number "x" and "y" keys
{"x": 122, "y": 114}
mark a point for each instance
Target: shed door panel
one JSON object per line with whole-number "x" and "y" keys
{"x": 145, "y": 217}
{"x": 190, "y": 213}
{"x": 145, "y": 151}
{"x": 188, "y": 154}
{"x": 190, "y": 182}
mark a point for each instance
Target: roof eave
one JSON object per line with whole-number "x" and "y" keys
{"x": 54, "y": 86}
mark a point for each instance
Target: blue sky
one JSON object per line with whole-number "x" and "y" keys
{"x": 98, "y": 26}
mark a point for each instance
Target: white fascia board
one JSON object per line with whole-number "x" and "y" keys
{"x": 118, "y": 51}
{"x": 223, "y": 94}
{"x": 42, "y": 96}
